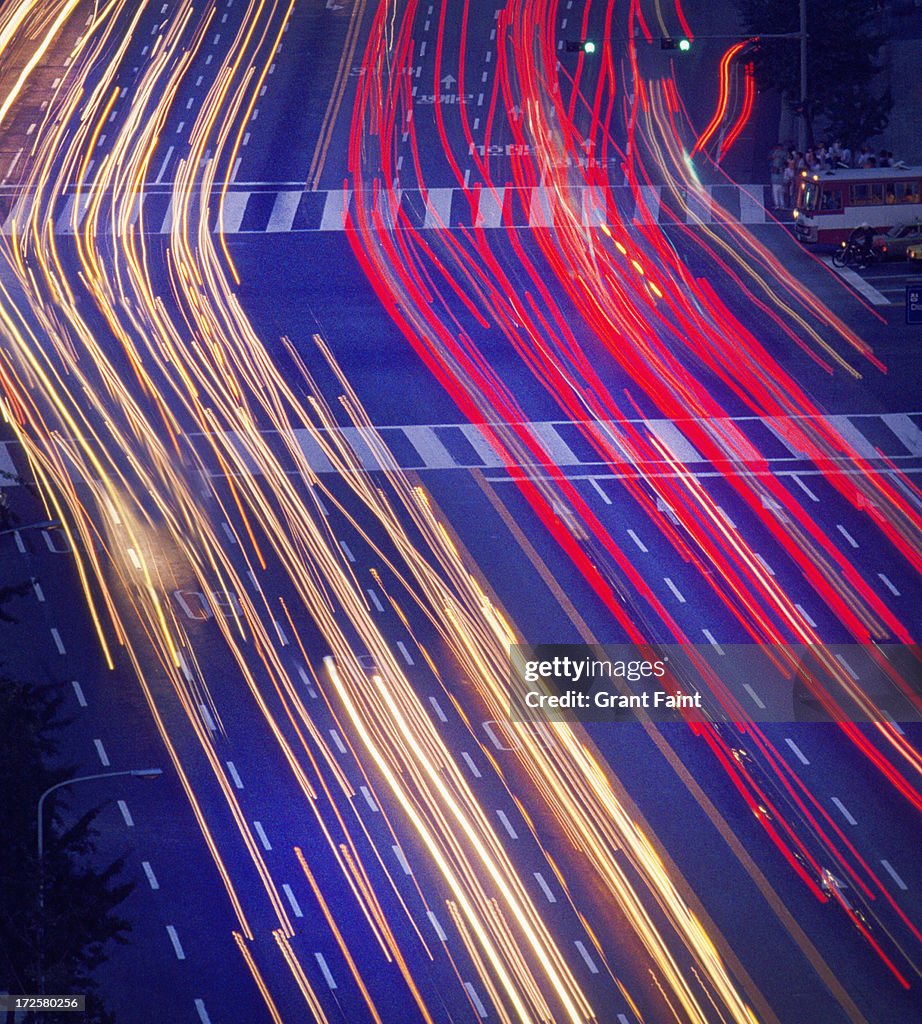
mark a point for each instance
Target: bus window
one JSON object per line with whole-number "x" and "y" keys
{"x": 907, "y": 191}
{"x": 831, "y": 199}
{"x": 867, "y": 194}
{"x": 809, "y": 193}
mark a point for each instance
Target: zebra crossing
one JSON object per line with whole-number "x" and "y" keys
{"x": 894, "y": 437}
{"x": 267, "y": 208}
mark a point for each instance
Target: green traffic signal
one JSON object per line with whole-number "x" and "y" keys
{"x": 589, "y": 46}
{"x": 684, "y": 45}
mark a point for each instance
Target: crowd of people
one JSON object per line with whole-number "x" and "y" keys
{"x": 786, "y": 163}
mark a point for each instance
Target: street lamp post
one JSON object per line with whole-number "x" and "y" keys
{"x": 138, "y": 773}
{"x": 802, "y": 126}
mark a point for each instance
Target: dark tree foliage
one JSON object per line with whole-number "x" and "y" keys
{"x": 66, "y": 940}
{"x": 843, "y": 47}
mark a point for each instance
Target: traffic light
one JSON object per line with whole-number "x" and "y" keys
{"x": 668, "y": 43}
{"x": 589, "y": 46}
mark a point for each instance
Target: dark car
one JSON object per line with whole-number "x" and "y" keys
{"x": 893, "y": 244}
{"x": 914, "y": 255}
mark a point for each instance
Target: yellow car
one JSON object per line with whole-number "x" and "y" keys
{"x": 914, "y": 255}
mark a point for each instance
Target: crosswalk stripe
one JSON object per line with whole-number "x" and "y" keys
{"x": 434, "y": 209}
{"x": 462, "y": 446}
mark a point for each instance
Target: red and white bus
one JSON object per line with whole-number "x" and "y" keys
{"x": 829, "y": 205}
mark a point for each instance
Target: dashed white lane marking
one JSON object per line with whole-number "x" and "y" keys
{"x": 126, "y": 814}
{"x": 202, "y": 1012}
{"x": 507, "y": 825}
{"x": 39, "y": 593}
{"x": 177, "y": 945}
{"x": 848, "y": 668}
{"x": 437, "y": 708}
{"x": 337, "y": 739}
{"x": 151, "y": 877}
{"x": 135, "y": 561}
{"x": 844, "y": 811}
{"x": 101, "y": 751}
{"x": 851, "y": 540}
{"x": 765, "y": 565}
{"x": 282, "y": 635}
{"x": 896, "y": 725}
{"x": 601, "y": 493}
{"x": 406, "y": 654}
{"x": 804, "y": 487}
{"x": 206, "y": 718}
{"x": 469, "y": 761}
{"x": 58, "y": 642}
{"x": 675, "y": 590}
{"x": 439, "y": 930}
{"x": 19, "y": 543}
{"x": 369, "y": 799}
{"x": 261, "y": 832}
{"x": 545, "y": 888}
{"x": 798, "y": 753}
{"x": 402, "y": 860}
{"x": 584, "y": 953}
{"x": 476, "y": 1000}
{"x": 888, "y": 867}
{"x": 78, "y": 691}
{"x": 322, "y": 964}
{"x": 347, "y": 551}
{"x": 229, "y": 533}
{"x": 809, "y": 621}
{"x": 375, "y": 600}
{"x": 643, "y": 547}
{"x": 292, "y": 900}
{"x": 622, "y": 1019}
{"x": 886, "y": 582}
{"x": 757, "y": 700}
{"x": 709, "y": 636}
{"x": 232, "y": 771}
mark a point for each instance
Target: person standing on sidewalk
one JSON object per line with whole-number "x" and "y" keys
{"x": 776, "y": 175}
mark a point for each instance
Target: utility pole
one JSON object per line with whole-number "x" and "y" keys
{"x": 802, "y": 126}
